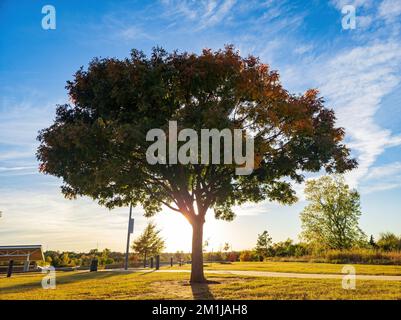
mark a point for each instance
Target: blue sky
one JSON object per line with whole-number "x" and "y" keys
{"x": 357, "y": 71}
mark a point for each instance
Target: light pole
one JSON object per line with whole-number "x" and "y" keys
{"x": 130, "y": 230}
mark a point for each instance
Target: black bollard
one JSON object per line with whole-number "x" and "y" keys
{"x": 10, "y": 268}
{"x": 151, "y": 262}
{"x": 157, "y": 262}
{"x": 171, "y": 261}
{"x": 93, "y": 267}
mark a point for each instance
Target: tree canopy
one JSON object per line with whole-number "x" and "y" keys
{"x": 97, "y": 143}
{"x": 331, "y": 219}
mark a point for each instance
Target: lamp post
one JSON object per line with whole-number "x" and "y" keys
{"x": 130, "y": 230}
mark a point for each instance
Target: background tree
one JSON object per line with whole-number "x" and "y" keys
{"x": 205, "y": 245}
{"x": 388, "y": 241}
{"x": 331, "y": 218}
{"x": 65, "y": 259}
{"x": 372, "y": 242}
{"x": 263, "y": 245}
{"x": 226, "y": 250}
{"x": 149, "y": 243}
{"x": 97, "y": 144}
{"x": 104, "y": 257}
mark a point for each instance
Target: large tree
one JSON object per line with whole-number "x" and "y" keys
{"x": 97, "y": 143}
{"x": 331, "y": 219}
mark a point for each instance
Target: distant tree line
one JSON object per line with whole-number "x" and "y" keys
{"x": 106, "y": 257}
{"x": 73, "y": 259}
{"x": 384, "y": 250}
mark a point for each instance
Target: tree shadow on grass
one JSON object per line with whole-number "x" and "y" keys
{"x": 201, "y": 291}
{"x": 60, "y": 280}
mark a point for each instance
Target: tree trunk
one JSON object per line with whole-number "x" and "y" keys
{"x": 197, "y": 253}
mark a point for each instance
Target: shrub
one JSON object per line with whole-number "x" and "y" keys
{"x": 389, "y": 242}
{"x": 367, "y": 256}
{"x": 282, "y": 249}
{"x": 248, "y": 255}
{"x": 301, "y": 249}
{"x": 232, "y": 256}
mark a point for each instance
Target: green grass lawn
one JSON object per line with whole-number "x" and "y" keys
{"x": 119, "y": 285}
{"x": 299, "y": 267}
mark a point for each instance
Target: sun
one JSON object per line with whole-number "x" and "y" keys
{"x": 176, "y": 231}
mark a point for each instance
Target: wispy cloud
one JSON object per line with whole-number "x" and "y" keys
{"x": 385, "y": 171}
{"x": 18, "y": 171}
{"x": 205, "y": 13}
{"x": 354, "y": 83}
{"x": 382, "y": 178}
{"x": 390, "y": 10}
{"x": 20, "y": 120}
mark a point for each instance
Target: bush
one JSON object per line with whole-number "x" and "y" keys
{"x": 301, "y": 249}
{"x": 389, "y": 242}
{"x": 363, "y": 256}
{"x": 213, "y": 256}
{"x": 289, "y": 249}
{"x": 248, "y": 255}
{"x": 232, "y": 256}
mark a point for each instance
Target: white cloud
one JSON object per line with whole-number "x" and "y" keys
{"x": 385, "y": 171}
{"x": 302, "y": 49}
{"x": 339, "y": 4}
{"x": 5, "y": 169}
{"x": 354, "y": 83}
{"x": 125, "y": 28}
{"x": 206, "y": 13}
{"x": 390, "y": 9}
{"x": 20, "y": 122}
{"x": 380, "y": 187}
{"x": 131, "y": 33}
{"x": 380, "y": 178}
{"x": 15, "y": 155}
{"x": 364, "y": 21}
{"x": 18, "y": 170}
{"x": 215, "y": 15}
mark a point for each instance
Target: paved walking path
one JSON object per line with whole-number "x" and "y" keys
{"x": 272, "y": 274}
